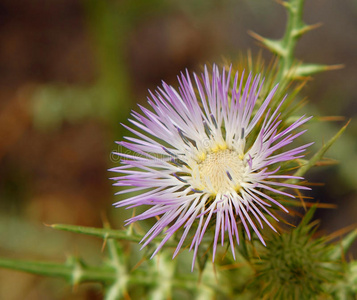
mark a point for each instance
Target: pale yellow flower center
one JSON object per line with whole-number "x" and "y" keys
{"x": 221, "y": 171}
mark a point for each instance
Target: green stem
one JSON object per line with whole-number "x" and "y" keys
{"x": 164, "y": 277}
{"x": 119, "y": 287}
{"x": 73, "y": 271}
{"x": 106, "y": 233}
{"x": 294, "y": 29}
{"x": 76, "y": 272}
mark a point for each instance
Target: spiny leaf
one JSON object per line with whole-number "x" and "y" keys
{"x": 304, "y": 29}
{"x": 304, "y": 70}
{"x": 295, "y": 265}
{"x": 342, "y": 247}
{"x": 308, "y": 216}
{"x": 274, "y": 46}
{"x": 319, "y": 154}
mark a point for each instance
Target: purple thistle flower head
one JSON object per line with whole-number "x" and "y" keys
{"x": 207, "y": 155}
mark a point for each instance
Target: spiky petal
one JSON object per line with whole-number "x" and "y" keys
{"x": 188, "y": 158}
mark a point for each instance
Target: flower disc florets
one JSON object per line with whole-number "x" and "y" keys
{"x": 220, "y": 171}
{"x": 211, "y": 148}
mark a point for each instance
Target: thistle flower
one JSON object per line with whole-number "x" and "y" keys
{"x": 208, "y": 153}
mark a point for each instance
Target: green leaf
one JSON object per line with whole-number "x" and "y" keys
{"x": 275, "y": 46}
{"x": 299, "y": 31}
{"x": 308, "y": 216}
{"x": 304, "y": 70}
{"x": 319, "y": 154}
{"x": 342, "y": 247}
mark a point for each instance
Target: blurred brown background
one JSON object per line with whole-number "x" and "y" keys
{"x": 70, "y": 71}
